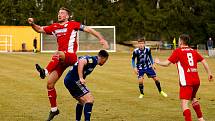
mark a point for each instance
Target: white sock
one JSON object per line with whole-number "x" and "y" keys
{"x": 201, "y": 119}
{"x": 53, "y": 109}
{"x": 46, "y": 72}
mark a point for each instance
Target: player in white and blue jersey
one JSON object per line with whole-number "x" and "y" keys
{"x": 144, "y": 65}
{"x": 75, "y": 82}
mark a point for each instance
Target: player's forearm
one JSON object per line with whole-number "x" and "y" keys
{"x": 37, "y": 28}
{"x": 93, "y": 32}
{"x": 206, "y": 67}
{"x": 133, "y": 63}
{"x": 151, "y": 59}
{"x": 163, "y": 63}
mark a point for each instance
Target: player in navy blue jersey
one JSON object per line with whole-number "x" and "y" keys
{"x": 75, "y": 82}
{"x": 144, "y": 65}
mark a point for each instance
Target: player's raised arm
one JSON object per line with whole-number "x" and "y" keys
{"x": 204, "y": 63}
{"x": 81, "y": 64}
{"x": 36, "y": 27}
{"x": 97, "y": 35}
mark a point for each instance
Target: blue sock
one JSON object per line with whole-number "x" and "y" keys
{"x": 79, "y": 109}
{"x": 87, "y": 111}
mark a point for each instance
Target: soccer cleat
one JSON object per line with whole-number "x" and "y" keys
{"x": 41, "y": 71}
{"x": 52, "y": 115}
{"x": 141, "y": 96}
{"x": 163, "y": 94}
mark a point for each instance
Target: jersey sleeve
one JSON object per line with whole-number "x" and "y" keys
{"x": 78, "y": 26}
{"x": 49, "y": 29}
{"x": 174, "y": 57}
{"x": 150, "y": 56}
{"x": 133, "y": 59}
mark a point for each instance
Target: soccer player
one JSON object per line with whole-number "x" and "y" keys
{"x": 186, "y": 60}
{"x": 75, "y": 82}
{"x": 66, "y": 33}
{"x": 144, "y": 65}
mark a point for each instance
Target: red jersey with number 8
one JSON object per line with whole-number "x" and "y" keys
{"x": 186, "y": 60}
{"x": 66, "y": 35}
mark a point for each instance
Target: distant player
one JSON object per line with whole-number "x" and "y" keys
{"x": 66, "y": 33}
{"x": 144, "y": 65}
{"x": 75, "y": 82}
{"x": 186, "y": 60}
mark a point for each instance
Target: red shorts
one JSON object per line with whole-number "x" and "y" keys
{"x": 70, "y": 59}
{"x": 188, "y": 92}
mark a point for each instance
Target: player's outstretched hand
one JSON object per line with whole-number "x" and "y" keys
{"x": 210, "y": 78}
{"x": 30, "y": 20}
{"x": 157, "y": 61}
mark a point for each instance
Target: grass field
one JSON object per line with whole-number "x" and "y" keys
{"x": 23, "y": 95}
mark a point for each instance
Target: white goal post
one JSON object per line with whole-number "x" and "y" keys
{"x": 5, "y": 43}
{"x": 86, "y": 42}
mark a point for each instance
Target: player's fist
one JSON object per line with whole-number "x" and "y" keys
{"x": 210, "y": 78}
{"x": 157, "y": 61}
{"x": 30, "y": 20}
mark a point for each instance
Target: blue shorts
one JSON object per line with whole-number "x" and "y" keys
{"x": 149, "y": 72}
{"x": 73, "y": 84}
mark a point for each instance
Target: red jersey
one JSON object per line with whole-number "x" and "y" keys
{"x": 186, "y": 60}
{"x": 66, "y": 35}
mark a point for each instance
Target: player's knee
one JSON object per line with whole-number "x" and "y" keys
{"x": 50, "y": 85}
{"x": 59, "y": 55}
{"x": 56, "y": 57}
{"x": 89, "y": 98}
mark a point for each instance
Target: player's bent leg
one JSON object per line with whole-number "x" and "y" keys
{"x": 53, "y": 77}
{"x": 186, "y": 110}
{"x": 158, "y": 85}
{"x": 197, "y": 108}
{"x": 88, "y": 105}
{"x": 56, "y": 59}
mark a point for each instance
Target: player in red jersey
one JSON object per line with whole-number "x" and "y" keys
{"x": 66, "y": 33}
{"x": 186, "y": 60}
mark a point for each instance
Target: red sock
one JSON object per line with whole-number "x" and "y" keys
{"x": 52, "y": 97}
{"x": 53, "y": 63}
{"x": 187, "y": 115}
{"x": 197, "y": 109}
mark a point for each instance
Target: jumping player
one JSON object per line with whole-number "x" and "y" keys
{"x": 144, "y": 64}
{"x": 75, "y": 82}
{"x": 66, "y": 33}
{"x": 186, "y": 60}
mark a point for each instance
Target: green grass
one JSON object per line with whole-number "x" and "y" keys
{"x": 23, "y": 95}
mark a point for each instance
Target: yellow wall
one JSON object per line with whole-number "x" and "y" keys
{"x": 21, "y": 34}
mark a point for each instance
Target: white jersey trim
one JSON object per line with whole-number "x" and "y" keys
{"x": 71, "y": 41}
{"x": 181, "y": 74}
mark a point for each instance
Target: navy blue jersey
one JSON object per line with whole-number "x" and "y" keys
{"x": 144, "y": 58}
{"x": 92, "y": 61}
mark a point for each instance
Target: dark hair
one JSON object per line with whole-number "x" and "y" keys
{"x": 141, "y": 40}
{"x": 103, "y": 53}
{"x": 67, "y": 10}
{"x": 185, "y": 38}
